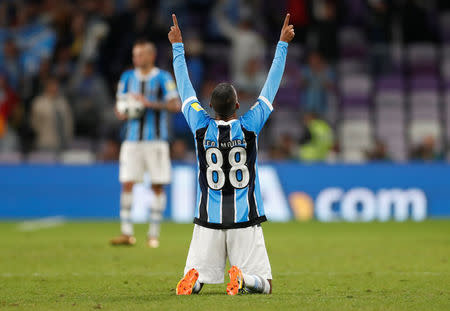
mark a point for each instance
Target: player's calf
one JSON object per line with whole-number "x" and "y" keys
{"x": 156, "y": 215}
{"x": 126, "y": 224}
{"x": 241, "y": 283}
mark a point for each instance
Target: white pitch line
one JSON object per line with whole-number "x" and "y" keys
{"x": 41, "y": 223}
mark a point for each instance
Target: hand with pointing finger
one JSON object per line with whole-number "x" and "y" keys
{"x": 287, "y": 32}
{"x": 175, "y": 32}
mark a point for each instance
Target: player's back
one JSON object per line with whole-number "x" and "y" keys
{"x": 229, "y": 195}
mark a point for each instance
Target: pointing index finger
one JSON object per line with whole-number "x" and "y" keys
{"x": 174, "y": 18}
{"x": 286, "y": 20}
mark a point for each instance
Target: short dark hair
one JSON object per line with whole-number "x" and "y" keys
{"x": 143, "y": 41}
{"x": 223, "y": 100}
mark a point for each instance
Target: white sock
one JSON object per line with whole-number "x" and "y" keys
{"x": 256, "y": 284}
{"x": 126, "y": 225}
{"x": 155, "y": 224}
{"x": 197, "y": 287}
{"x": 156, "y": 211}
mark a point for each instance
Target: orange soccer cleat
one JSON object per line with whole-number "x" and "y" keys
{"x": 236, "y": 281}
{"x": 186, "y": 284}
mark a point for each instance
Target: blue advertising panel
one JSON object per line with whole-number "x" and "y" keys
{"x": 325, "y": 192}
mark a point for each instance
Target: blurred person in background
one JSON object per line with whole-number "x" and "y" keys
{"x": 9, "y": 61}
{"x": 378, "y": 152}
{"x": 194, "y": 60}
{"x": 249, "y": 82}
{"x": 426, "y": 150}
{"x": 8, "y": 102}
{"x": 317, "y": 82}
{"x": 63, "y": 65}
{"x": 34, "y": 36}
{"x": 34, "y": 84}
{"x": 51, "y": 118}
{"x": 145, "y": 148}
{"x": 323, "y": 34}
{"x": 317, "y": 140}
{"x": 246, "y": 44}
{"x": 90, "y": 97}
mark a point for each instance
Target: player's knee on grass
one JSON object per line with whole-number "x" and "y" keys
{"x": 127, "y": 186}
{"x": 158, "y": 189}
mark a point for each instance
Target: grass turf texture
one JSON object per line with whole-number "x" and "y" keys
{"x": 316, "y": 266}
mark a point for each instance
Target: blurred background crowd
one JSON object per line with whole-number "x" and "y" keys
{"x": 365, "y": 80}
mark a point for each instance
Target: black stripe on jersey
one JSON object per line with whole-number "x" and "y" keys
{"x": 142, "y": 118}
{"x": 203, "y": 183}
{"x": 159, "y": 97}
{"x": 250, "y": 138}
{"x": 228, "y": 194}
{"x": 236, "y": 225}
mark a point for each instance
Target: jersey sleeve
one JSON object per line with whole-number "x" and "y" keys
{"x": 194, "y": 113}
{"x": 255, "y": 118}
{"x": 168, "y": 86}
{"x": 122, "y": 87}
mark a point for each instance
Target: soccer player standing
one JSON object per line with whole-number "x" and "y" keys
{"x": 229, "y": 203}
{"x": 145, "y": 148}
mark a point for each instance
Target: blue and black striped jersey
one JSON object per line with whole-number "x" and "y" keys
{"x": 158, "y": 85}
{"x": 228, "y": 193}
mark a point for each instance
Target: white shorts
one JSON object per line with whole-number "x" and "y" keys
{"x": 244, "y": 247}
{"x": 153, "y": 157}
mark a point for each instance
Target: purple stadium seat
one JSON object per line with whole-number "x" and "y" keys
{"x": 424, "y": 105}
{"x": 424, "y": 83}
{"x": 352, "y": 43}
{"x": 352, "y": 66}
{"x": 355, "y": 113}
{"x": 288, "y": 97}
{"x": 358, "y": 85}
{"x": 390, "y": 82}
{"x": 355, "y": 101}
{"x": 422, "y": 58}
{"x": 390, "y": 114}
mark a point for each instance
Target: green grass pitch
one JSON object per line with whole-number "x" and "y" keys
{"x": 316, "y": 266}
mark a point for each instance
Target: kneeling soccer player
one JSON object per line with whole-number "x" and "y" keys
{"x": 229, "y": 204}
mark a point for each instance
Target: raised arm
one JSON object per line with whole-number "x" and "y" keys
{"x": 276, "y": 70}
{"x": 194, "y": 113}
{"x": 185, "y": 88}
{"x": 255, "y": 118}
